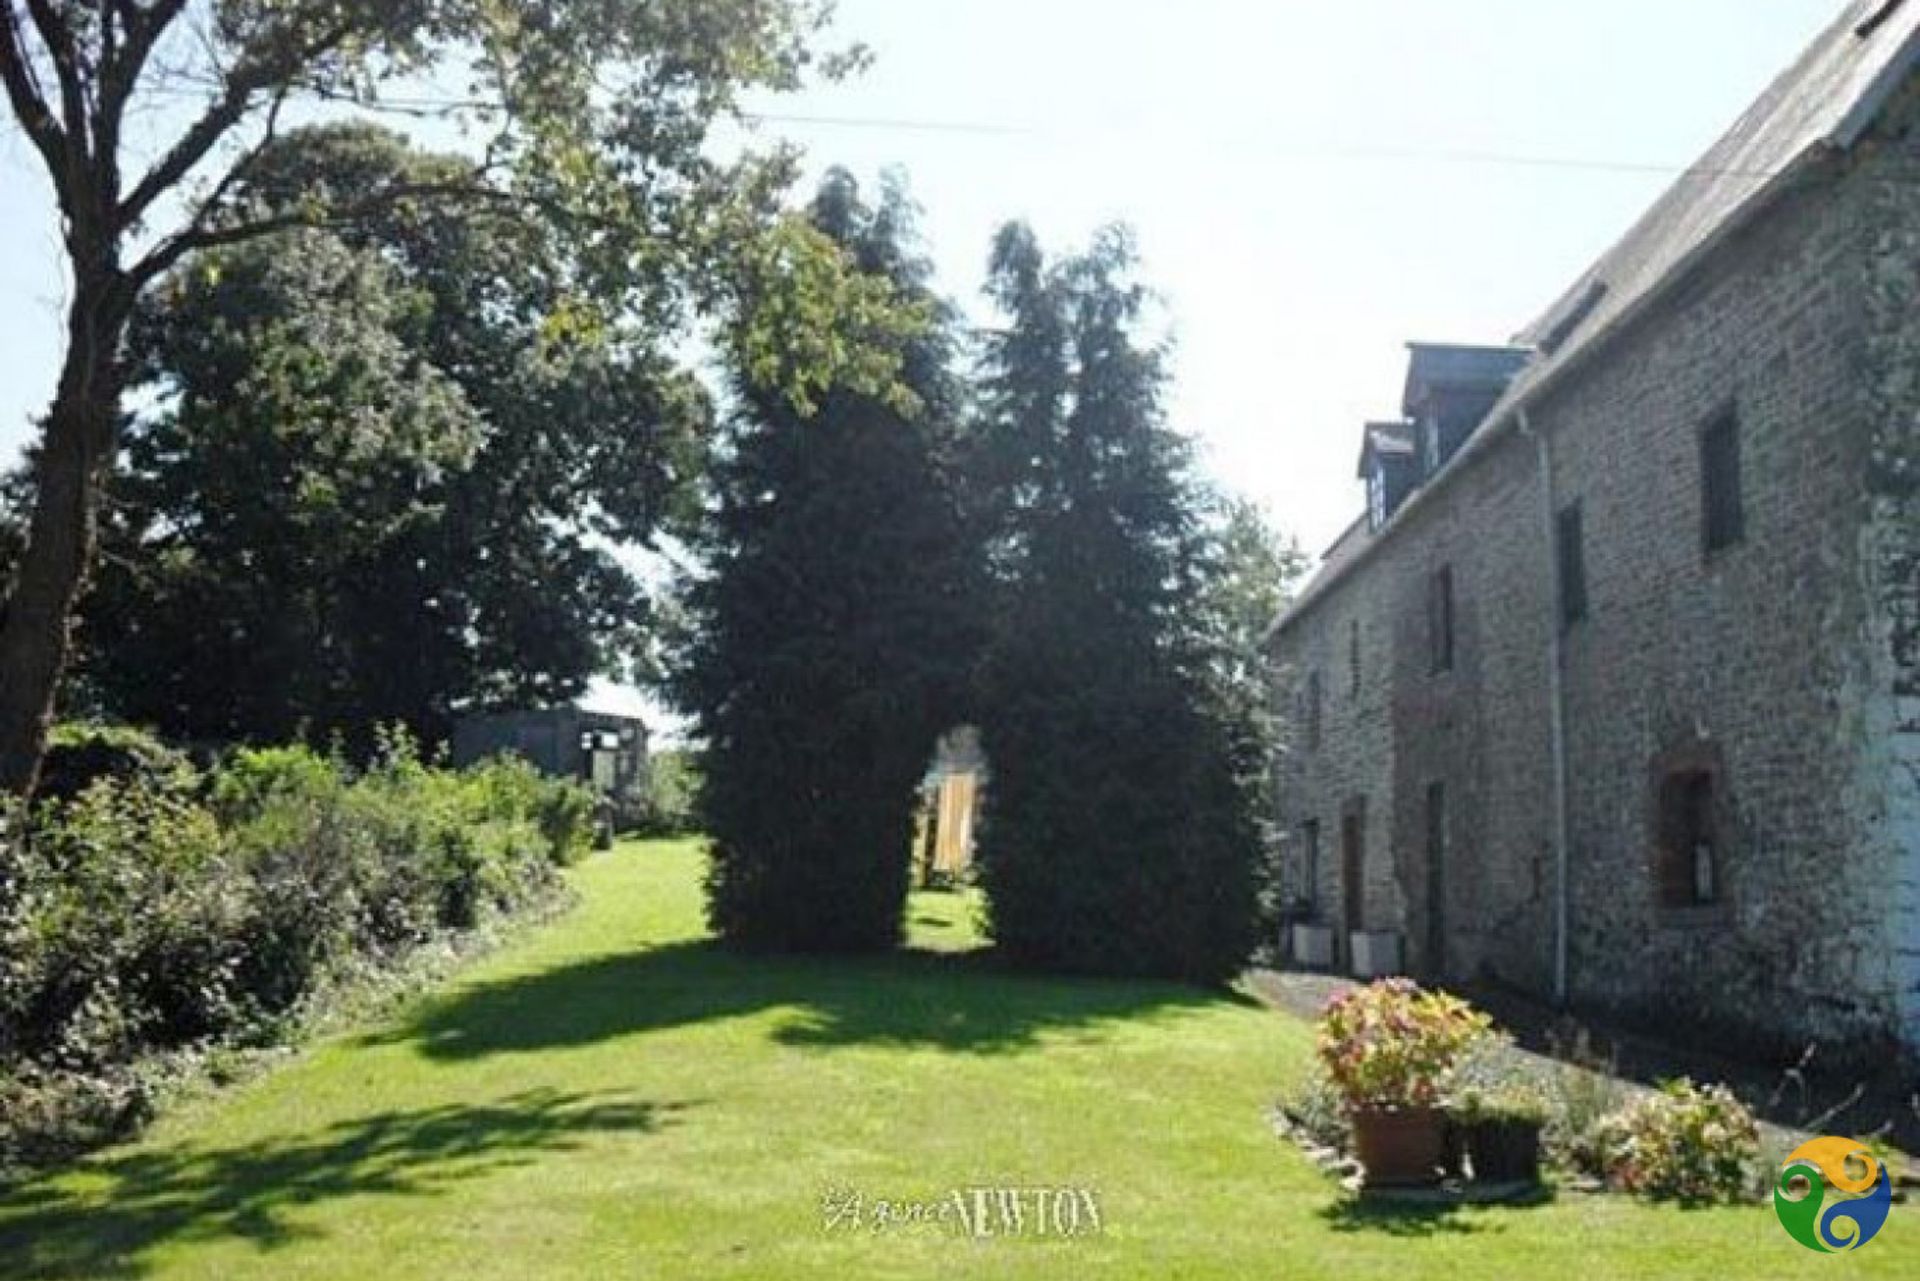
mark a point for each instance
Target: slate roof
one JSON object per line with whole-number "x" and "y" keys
{"x": 1825, "y": 99}
{"x": 1431, "y": 365}
{"x": 1823, "y": 103}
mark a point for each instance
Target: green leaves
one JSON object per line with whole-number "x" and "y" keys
{"x": 811, "y": 321}
{"x": 835, "y": 629}
{"x": 385, "y": 467}
{"x": 1121, "y": 827}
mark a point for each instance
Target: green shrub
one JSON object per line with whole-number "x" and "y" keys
{"x": 79, "y": 755}
{"x": 249, "y": 778}
{"x": 142, "y": 920}
{"x": 507, "y": 787}
{"x": 1684, "y": 1143}
{"x": 121, "y": 927}
{"x": 668, "y": 804}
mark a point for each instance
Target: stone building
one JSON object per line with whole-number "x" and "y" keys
{"x": 1613, "y": 693}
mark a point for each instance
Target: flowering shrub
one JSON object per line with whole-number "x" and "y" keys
{"x": 1683, "y": 1143}
{"x": 1390, "y": 1044}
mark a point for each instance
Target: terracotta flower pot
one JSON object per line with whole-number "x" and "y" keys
{"x": 1399, "y": 1146}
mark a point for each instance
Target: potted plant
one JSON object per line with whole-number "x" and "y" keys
{"x": 1500, "y": 1131}
{"x": 1387, "y": 1047}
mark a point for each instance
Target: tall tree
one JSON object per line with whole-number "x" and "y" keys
{"x": 380, "y": 471}
{"x": 833, "y": 625}
{"x": 1256, "y": 569}
{"x": 1121, "y": 830}
{"x": 590, "y": 115}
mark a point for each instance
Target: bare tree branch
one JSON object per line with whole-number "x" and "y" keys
{"x": 121, "y": 72}
{"x": 58, "y": 37}
{"x": 254, "y": 75}
{"x": 202, "y": 235}
{"x": 23, "y": 94}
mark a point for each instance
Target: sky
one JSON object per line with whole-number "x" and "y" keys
{"x": 1312, "y": 183}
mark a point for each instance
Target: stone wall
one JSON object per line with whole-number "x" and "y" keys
{"x": 1480, "y": 729}
{"x": 1788, "y": 663}
{"x": 1891, "y": 545}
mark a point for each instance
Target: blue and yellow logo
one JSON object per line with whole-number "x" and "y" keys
{"x": 1833, "y": 1195}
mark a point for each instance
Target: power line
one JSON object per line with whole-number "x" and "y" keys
{"x": 1353, "y": 152}
{"x": 1443, "y": 155}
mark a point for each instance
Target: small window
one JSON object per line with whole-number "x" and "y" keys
{"x": 1376, "y": 497}
{"x": 1571, "y": 552}
{"x": 1722, "y": 508}
{"x": 1430, "y": 443}
{"x": 1310, "y": 865}
{"x": 1689, "y": 850}
{"x": 1440, "y": 618}
{"x": 1353, "y": 658}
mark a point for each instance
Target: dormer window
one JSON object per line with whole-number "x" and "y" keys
{"x": 1450, "y": 391}
{"x": 1389, "y": 463}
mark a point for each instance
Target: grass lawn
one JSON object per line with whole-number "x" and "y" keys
{"x": 613, "y": 1098}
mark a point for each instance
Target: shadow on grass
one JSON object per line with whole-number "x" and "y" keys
{"x": 951, "y": 1001}
{"x": 1396, "y": 1217}
{"x": 103, "y": 1219}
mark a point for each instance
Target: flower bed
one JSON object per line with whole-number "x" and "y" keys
{"x": 1414, "y": 1086}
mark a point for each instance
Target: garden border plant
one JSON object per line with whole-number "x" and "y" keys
{"x": 1393, "y": 1059}
{"x": 160, "y": 924}
{"x": 1388, "y": 1048}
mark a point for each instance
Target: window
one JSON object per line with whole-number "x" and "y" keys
{"x": 1570, "y": 547}
{"x": 1430, "y": 443}
{"x": 1310, "y": 712}
{"x": 1723, "y": 515}
{"x": 1440, "y": 618}
{"x": 1376, "y": 497}
{"x": 1353, "y": 658}
{"x": 1689, "y": 840}
{"x": 1310, "y": 865}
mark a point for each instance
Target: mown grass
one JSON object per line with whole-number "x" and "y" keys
{"x": 613, "y": 1097}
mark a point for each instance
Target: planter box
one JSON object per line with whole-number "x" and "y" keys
{"x": 1313, "y": 946}
{"x": 1375, "y": 953}
{"x": 1504, "y": 1151}
{"x": 1399, "y": 1147}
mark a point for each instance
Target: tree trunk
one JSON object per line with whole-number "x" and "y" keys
{"x": 75, "y": 451}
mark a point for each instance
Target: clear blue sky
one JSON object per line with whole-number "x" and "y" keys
{"x": 1299, "y": 174}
